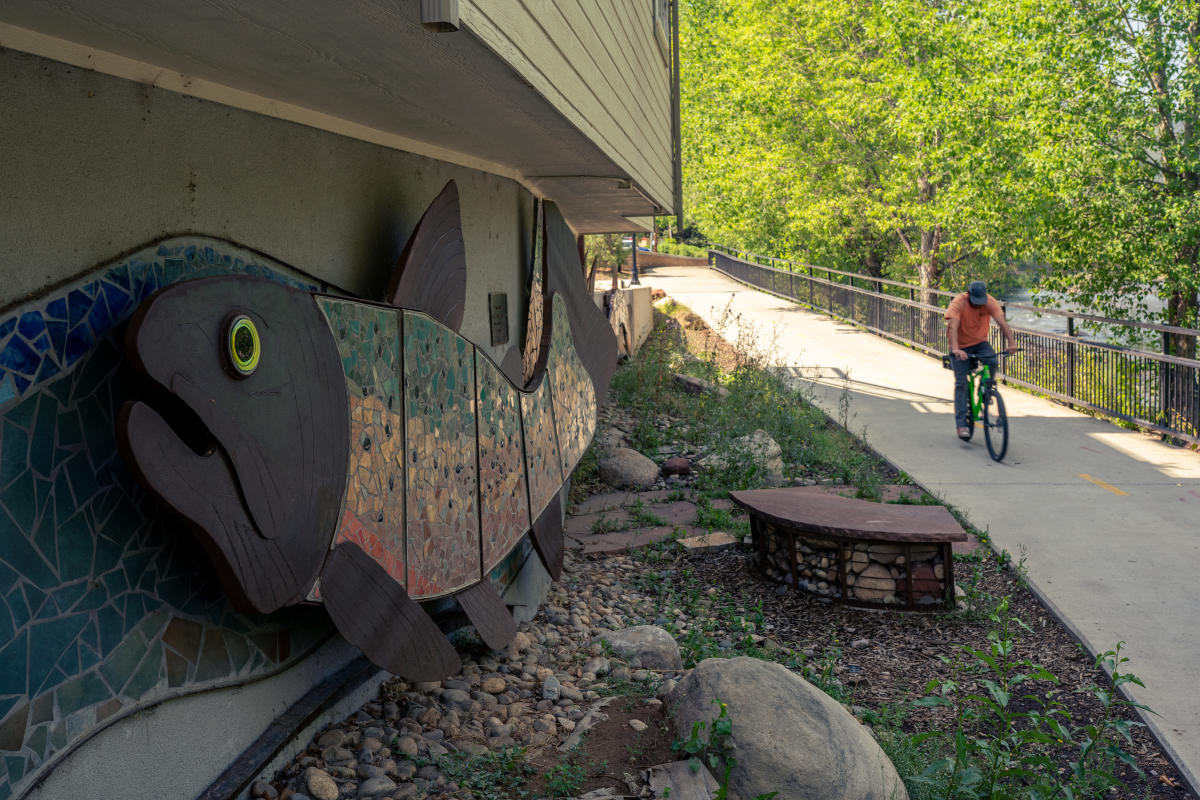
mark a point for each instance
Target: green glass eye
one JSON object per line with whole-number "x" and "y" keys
{"x": 244, "y": 345}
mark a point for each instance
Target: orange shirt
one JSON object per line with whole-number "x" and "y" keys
{"x": 973, "y": 322}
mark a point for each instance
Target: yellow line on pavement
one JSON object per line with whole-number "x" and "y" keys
{"x": 1103, "y": 485}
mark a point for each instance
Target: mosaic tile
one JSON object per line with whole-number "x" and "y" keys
{"x": 441, "y": 503}
{"x": 542, "y": 461}
{"x": 12, "y": 729}
{"x": 503, "y": 494}
{"x": 368, "y": 339}
{"x": 85, "y": 557}
{"x": 534, "y": 344}
{"x": 575, "y": 401}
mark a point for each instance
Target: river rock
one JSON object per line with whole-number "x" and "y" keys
{"x": 652, "y": 646}
{"x": 624, "y": 468}
{"x": 788, "y": 736}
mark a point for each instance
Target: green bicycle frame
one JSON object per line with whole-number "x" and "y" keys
{"x": 977, "y": 381}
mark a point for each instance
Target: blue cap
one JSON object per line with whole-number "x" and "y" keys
{"x": 977, "y": 291}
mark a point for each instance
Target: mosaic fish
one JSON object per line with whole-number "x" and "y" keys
{"x": 367, "y": 456}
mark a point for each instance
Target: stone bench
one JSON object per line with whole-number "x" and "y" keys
{"x": 862, "y": 553}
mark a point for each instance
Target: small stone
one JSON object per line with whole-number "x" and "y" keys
{"x": 376, "y": 786}
{"x": 494, "y": 685}
{"x": 405, "y": 791}
{"x": 265, "y": 790}
{"x": 406, "y": 745}
{"x": 320, "y": 785}
{"x": 860, "y": 644}
{"x": 638, "y": 725}
{"x": 333, "y": 738}
{"x": 551, "y": 688}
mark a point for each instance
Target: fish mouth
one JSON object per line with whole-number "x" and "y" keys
{"x": 181, "y": 418}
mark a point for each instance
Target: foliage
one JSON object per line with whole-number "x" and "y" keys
{"x": 497, "y": 775}
{"x": 602, "y": 254}
{"x": 711, "y": 744}
{"x": 1010, "y": 726}
{"x": 565, "y": 778}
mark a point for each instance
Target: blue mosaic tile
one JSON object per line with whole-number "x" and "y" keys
{"x": 31, "y": 325}
{"x": 16, "y": 768}
{"x": 111, "y": 622}
{"x": 79, "y": 341}
{"x": 8, "y": 389}
{"x": 20, "y": 357}
{"x": 8, "y": 326}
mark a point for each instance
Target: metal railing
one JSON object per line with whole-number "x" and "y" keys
{"x": 1156, "y": 391}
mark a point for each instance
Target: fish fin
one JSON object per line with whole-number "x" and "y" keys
{"x": 487, "y": 612}
{"x": 431, "y": 275}
{"x": 374, "y": 613}
{"x": 257, "y": 574}
{"x": 595, "y": 341}
{"x": 547, "y": 536}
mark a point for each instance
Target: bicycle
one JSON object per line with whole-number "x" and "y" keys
{"x": 987, "y": 406}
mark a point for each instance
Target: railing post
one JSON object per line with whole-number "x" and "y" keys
{"x": 811, "y": 300}
{"x": 1164, "y": 382}
{"x": 1071, "y": 358}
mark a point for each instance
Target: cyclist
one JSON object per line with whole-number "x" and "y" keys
{"x": 967, "y": 321}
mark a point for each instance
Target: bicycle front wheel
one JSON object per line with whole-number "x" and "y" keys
{"x": 995, "y": 424}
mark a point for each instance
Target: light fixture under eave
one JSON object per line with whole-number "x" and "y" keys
{"x": 439, "y": 16}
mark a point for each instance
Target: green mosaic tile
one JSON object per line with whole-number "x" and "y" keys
{"x": 66, "y": 597}
{"x": 214, "y": 658}
{"x": 112, "y": 628}
{"x": 58, "y": 736}
{"x": 70, "y": 431}
{"x": 12, "y": 729}
{"x": 48, "y": 641}
{"x": 22, "y": 557}
{"x": 45, "y": 539}
{"x": 24, "y": 413}
{"x": 14, "y": 449}
{"x": 41, "y": 454}
{"x": 96, "y": 596}
{"x": 116, "y": 582}
{"x": 38, "y": 740}
{"x": 42, "y": 710}
{"x": 135, "y": 564}
{"x": 147, "y": 675}
{"x": 177, "y": 669}
{"x": 14, "y": 657}
{"x": 20, "y": 502}
{"x": 75, "y": 548}
{"x": 82, "y": 477}
{"x": 153, "y": 624}
{"x": 16, "y": 768}
{"x": 107, "y": 709}
{"x": 239, "y": 651}
{"x": 35, "y": 598}
{"x": 183, "y": 636}
{"x": 81, "y": 692}
{"x": 108, "y": 553}
{"x": 119, "y": 666}
{"x": 17, "y": 605}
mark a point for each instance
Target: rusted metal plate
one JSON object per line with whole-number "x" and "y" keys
{"x": 811, "y": 510}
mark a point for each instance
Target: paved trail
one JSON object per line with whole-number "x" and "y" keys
{"x": 1108, "y": 519}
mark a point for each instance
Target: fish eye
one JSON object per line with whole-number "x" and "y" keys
{"x": 243, "y": 345}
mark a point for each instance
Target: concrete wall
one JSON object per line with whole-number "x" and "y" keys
{"x": 92, "y": 167}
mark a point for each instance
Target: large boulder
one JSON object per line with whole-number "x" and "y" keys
{"x": 788, "y": 736}
{"x": 646, "y": 645}
{"x": 624, "y": 468}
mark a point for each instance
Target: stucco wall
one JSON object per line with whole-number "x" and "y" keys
{"x": 92, "y": 167}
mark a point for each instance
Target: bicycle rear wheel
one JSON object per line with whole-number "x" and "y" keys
{"x": 995, "y": 424}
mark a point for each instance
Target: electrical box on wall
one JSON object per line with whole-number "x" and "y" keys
{"x": 498, "y": 314}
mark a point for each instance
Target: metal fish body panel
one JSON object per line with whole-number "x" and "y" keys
{"x": 331, "y": 423}
{"x": 449, "y": 463}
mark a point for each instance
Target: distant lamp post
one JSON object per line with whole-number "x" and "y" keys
{"x": 634, "y": 280}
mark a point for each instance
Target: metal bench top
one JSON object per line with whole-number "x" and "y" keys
{"x": 812, "y": 510}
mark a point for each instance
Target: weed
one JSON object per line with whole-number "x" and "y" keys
{"x": 565, "y": 778}
{"x": 1006, "y": 736}
{"x": 711, "y": 744}
{"x": 498, "y": 775}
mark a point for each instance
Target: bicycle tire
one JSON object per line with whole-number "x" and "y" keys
{"x": 995, "y": 425}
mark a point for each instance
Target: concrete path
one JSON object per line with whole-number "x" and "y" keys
{"x": 1108, "y": 519}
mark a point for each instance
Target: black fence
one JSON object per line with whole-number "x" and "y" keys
{"x": 1156, "y": 391}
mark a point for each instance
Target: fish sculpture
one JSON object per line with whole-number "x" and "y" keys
{"x": 363, "y": 455}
